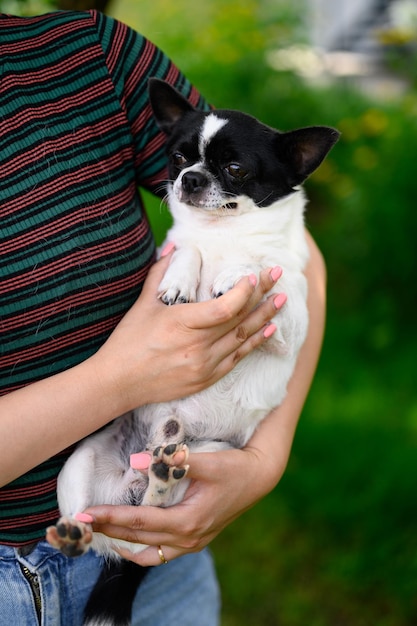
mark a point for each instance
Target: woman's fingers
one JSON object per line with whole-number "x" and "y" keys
{"x": 129, "y": 523}
{"x": 215, "y": 335}
{"x": 150, "y": 557}
{"x": 137, "y": 524}
{"x": 249, "y": 334}
{"x": 235, "y": 305}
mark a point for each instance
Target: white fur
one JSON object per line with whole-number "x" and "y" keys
{"x": 212, "y": 124}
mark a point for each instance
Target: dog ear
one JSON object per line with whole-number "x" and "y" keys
{"x": 304, "y": 149}
{"x": 168, "y": 105}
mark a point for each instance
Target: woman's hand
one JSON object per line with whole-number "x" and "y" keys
{"x": 159, "y": 353}
{"x": 224, "y": 485}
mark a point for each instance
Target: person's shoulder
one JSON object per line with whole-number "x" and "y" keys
{"x": 88, "y": 20}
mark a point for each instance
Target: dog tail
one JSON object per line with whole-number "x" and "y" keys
{"x": 110, "y": 602}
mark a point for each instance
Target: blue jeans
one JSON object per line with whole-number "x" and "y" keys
{"x": 185, "y": 589}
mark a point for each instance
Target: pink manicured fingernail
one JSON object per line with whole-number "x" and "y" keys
{"x": 84, "y": 517}
{"x": 276, "y": 273}
{"x": 140, "y": 461}
{"x": 167, "y": 249}
{"x": 253, "y": 279}
{"x": 269, "y": 330}
{"x": 279, "y": 300}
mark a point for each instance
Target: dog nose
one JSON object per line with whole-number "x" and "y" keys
{"x": 193, "y": 182}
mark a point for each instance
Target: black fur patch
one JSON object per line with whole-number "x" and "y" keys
{"x": 171, "y": 428}
{"x": 113, "y": 594}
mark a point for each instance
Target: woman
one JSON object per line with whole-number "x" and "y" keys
{"x": 78, "y": 348}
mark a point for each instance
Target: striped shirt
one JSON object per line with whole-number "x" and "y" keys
{"x": 77, "y": 138}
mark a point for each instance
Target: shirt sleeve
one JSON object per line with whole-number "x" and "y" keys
{"x": 131, "y": 60}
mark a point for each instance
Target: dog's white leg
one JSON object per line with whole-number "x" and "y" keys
{"x": 69, "y": 535}
{"x": 182, "y": 277}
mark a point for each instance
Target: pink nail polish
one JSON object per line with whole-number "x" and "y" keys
{"x": 253, "y": 279}
{"x": 140, "y": 461}
{"x": 167, "y": 249}
{"x": 84, "y": 517}
{"x": 269, "y": 330}
{"x": 279, "y": 300}
{"x": 276, "y": 273}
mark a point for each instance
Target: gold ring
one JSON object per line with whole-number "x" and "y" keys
{"x": 161, "y": 555}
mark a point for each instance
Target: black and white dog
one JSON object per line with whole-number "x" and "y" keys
{"x": 238, "y": 208}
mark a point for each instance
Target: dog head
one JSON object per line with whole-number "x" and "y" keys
{"x": 226, "y": 161}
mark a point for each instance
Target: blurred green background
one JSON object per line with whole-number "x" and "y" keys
{"x": 336, "y": 543}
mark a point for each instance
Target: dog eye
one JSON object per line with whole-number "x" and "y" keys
{"x": 178, "y": 159}
{"x": 236, "y": 171}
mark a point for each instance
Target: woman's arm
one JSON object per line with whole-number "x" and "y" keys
{"x": 225, "y": 484}
{"x": 187, "y": 347}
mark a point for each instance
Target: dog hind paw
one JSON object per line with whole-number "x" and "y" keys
{"x": 165, "y": 474}
{"x": 163, "y": 466}
{"x": 70, "y": 536}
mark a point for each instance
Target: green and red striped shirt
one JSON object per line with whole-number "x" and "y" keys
{"x": 77, "y": 139}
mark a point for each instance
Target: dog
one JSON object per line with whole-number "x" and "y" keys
{"x": 238, "y": 207}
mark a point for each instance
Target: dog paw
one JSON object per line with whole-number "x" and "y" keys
{"x": 70, "y": 536}
{"x": 227, "y": 279}
{"x": 165, "y": 475}
{"x": 163, "y": 466}
{"x": 176, "y": 295}
{"x": 181, "y": 280}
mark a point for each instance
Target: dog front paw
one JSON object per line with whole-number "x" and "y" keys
{"x": 227, "y": 279}
{"x": 175, "y": 294}
{"x": 70, "y": 536}
{"x": 181, "y": 280}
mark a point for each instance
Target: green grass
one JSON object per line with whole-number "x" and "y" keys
{"x": 335, "y": 544}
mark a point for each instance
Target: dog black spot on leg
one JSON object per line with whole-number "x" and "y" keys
{"x": 171, "y": 428}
